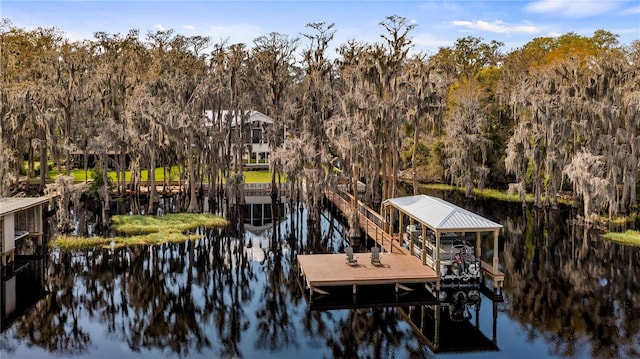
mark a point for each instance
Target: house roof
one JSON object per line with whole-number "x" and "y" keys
{"x": 253, "y": 116}
{"x": 16, "y": 204}
{"x": 441, "y": 215}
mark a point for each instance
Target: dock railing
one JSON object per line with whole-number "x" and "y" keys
{"x": 370, "y": 221}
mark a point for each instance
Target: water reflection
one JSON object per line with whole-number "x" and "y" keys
{"x": 237, "y": 295}
{"x": 452, "y": 324}
{"x": 566, "y": 284}
{"x": 22, "y": 286}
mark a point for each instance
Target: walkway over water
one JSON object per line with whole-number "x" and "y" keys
{"x": 371, "y": 222}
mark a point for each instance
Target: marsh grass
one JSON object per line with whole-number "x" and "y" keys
{"x": 628, "y": 237}
{"x": 622, "y": 219}
{"x": 170, "y": 223}
{"x": 141, "y": 230}
{"x": 483, "y": 193}
{"x": 489, "y": 193}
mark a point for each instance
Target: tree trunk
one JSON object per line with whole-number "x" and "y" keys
{"x": 151, "y": 183}
{"x": 414, "y": 171}
{"x": 193, "y": 201}
{"x": 44, "y": 164}
{"x": 105, "y": 195}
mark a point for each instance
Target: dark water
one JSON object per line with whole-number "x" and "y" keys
{"x": 568, "y": 294}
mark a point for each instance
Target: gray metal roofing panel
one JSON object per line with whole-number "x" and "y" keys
{"x": 440, "y": 214}
{"x": 15, "y": 204}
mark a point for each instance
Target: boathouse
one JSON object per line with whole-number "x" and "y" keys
{"x": 436, "y": 230}
{"x": 20, "y": 217}
{"x": 446, "y": 239}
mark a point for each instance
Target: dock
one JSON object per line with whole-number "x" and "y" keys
{"x": 431, "y": 213}
{"x": 331, "y": 270}
{"x": 371, "y": 222}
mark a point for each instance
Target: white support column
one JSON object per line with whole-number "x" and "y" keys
{"x": 390, "y": 225}
{"x": 437, "y": 259}
{"x": 423, "y": 253}
{"x": 495, "y": 251}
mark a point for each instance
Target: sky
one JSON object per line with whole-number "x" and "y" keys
{"x": 438, "y": 23}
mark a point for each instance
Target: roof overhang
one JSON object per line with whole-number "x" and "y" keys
{"x": 440, "y": 215}
{"x": 16, "y": 204}
{"x": 235, "y": 118}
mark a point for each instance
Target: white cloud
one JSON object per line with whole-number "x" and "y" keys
{"x": 159, "y": 27}
{"x": 634, "y": 10}
{"x": 431, "y": 41}
{"x": 572, "y": 8}
{"x": 189, "y": 27}
{"x": 497, "y": 26}
{"x": 236, "y": 33}
{"x": 78, "y": 36}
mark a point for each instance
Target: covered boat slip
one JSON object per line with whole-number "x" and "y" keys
{"x": 332, "y": 270}
{"x": 20, "y": 217}
{"x": 440, "y": 219}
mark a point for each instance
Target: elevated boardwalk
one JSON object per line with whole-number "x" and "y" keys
{"x": 371, "y": 222}
{"x": 330, "y": 270}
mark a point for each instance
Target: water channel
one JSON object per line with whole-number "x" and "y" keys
{"x": 237, "y": 294}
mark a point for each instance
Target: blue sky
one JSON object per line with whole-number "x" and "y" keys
{"x": 439, "y": 23}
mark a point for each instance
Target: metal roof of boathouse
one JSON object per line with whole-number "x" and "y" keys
{"x": 441, "y": 215}
{"x": 16, "y": 204}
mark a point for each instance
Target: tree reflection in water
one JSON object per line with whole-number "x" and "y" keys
{"x": 214, "y": 298}
{"x": 572, "y": 288}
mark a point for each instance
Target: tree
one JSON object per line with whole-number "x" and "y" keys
{"x": 466, "y": 144}
{"x": 587, "y": 173}
{"x": 425, "y": 91}
{"x": 467, "y": 121}
{"x": 271, "y": 69}
{"x": 317, "y": 104}
{"x": 572, "y": 98}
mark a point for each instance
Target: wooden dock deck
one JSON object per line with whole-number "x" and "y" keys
{"x": 329, "y": 270}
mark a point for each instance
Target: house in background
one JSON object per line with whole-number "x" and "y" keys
{"x": 257, "y": 147}
{"x": 20, "y": 218}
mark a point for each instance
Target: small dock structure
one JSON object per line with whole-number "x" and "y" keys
{"x": 330, "y": 270}
{"x": 20, "y": 217}
{"x": 444, "y": 237}
{"x": 447, "y": 238}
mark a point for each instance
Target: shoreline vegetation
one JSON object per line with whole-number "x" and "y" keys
{"x": 489, "y": 193}
{"x": 629, "y": 237}
{"x": 143, "y": 230}
{"x": 170, "y": 229}
{"x": 442, "y": 115}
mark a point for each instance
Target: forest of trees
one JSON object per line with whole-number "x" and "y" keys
{"x": 558, "y": 115}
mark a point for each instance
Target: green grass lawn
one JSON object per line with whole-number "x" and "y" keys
{"x": 79, "y": 175}
{"x": 139, "y": 230}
